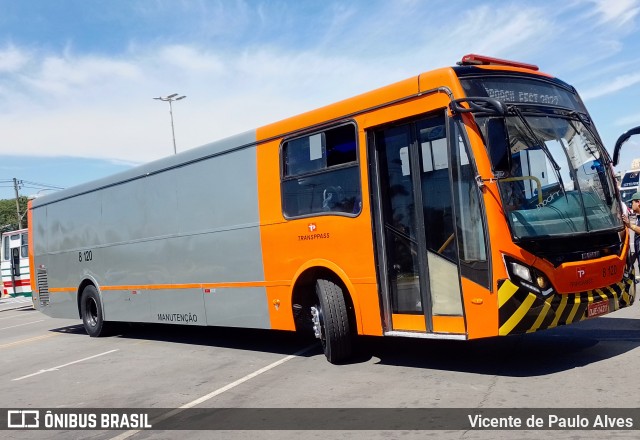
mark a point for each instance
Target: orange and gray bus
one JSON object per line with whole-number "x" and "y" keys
{"x": 466, "y": 202}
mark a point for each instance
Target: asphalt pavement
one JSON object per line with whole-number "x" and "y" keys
{"x": 10, "y": 303}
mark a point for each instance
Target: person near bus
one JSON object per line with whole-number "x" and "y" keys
{"x": 635, "y": 209}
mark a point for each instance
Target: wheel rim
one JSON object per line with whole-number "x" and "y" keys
{"x": 317, "y": 319}
{"x": 92, "y": 312}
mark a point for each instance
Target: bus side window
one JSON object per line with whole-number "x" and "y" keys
{"x": 24, "y": 246}
{"x": 5, "y": 247}
{"x": 320, "y": 173}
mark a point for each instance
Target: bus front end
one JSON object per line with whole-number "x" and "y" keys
{"x": 559, "y": 245}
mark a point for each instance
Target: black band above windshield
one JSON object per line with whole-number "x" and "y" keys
{"x": 522, "y": 90}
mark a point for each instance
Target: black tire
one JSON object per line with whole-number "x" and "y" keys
{"x": 92, "y": 313}
{"x": 334, "y": 322}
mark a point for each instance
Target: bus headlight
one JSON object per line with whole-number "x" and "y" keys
{"x": 528, "y": 277}
{"x": 521, "y": 271}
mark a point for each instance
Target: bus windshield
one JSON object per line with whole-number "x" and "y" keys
{"x": 631, "y": 179}
{"x": 558, "y": 183}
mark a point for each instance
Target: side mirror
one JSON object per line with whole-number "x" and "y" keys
{"x": 499, "y": 147}
{"x": 621, "y": 140}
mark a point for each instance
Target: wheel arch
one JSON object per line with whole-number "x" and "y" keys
{"x": 303, "y": 290}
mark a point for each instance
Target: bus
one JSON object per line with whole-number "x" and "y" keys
{"x": 14, "y": 264}
{"x": 629, "y": 185}
{"x": 465, "y": 202}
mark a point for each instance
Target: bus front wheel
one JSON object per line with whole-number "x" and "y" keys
{"x": 331, "y": 321}
{"x": 92, "y": 313}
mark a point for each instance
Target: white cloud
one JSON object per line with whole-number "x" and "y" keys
{"x": 12, "y": 59}
{"x": 185, "y": 57}
{"x": 62, "y": 74}
{"x": 504, "y": 30}
{"x": 618, "y": 13}
{"x": 628, "y": 121}
{"x": 612, "y": 86}
{"x": 89, "y": 105}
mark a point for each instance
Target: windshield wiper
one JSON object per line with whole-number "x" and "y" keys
{"x": 543, "y": 146}
{"x": 585, "y": 123}
{"x": 606, "y": 186}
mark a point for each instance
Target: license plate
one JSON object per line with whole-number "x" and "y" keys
{"x": 596, "y": 309}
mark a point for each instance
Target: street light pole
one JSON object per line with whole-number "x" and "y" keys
{"x": 170, "y": 99}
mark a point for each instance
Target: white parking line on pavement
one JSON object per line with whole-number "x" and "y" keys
{"x": 20, "y": 325}
{"x": 10, "y": 308}
{"x": 65, "y": 365}
{"x": 219, "y": 391}
{"x": 11, "y": 317}
{"x": 16, "y": 299}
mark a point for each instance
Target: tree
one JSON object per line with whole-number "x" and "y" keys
{"x": 9, "y": 216}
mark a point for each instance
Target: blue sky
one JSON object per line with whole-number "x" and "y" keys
{"x": 77, "y": 77}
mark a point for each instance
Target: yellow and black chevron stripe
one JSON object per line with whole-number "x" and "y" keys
{"x": 523, "y": 311}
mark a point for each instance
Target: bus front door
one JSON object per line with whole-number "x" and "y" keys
{"x": 416, "y": 243}
{"x": 15, "y": 262}
{"x": 15, "y": 270}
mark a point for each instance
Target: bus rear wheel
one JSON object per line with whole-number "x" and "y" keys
{"x": 331, "y": 321}
{"x": 92, "y": 313}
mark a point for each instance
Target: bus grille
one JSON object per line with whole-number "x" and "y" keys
{"x": 43, "y": 287}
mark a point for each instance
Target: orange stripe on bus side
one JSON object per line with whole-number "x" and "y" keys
{"x": 182, "y": 286}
